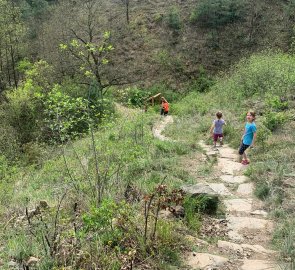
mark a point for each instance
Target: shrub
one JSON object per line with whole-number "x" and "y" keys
{"x": 260, "y": 75}
{"x": 174, "y": 20}
{"x": 262, "y": 190}
{"x": 273, "y": 120}
{"x": 216, "y": 13}
{"x": 195, "y": 206}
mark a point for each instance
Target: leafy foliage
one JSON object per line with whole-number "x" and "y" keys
{"x": 174, "y": 20}
{"x": 216, "y": 13}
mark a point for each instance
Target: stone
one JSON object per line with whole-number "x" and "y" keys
{"x": 179, "y": 211}
{"x": 43, "y": 204}
{"x": 245, "y": 189}
{"x": 238, "y": 205}
{"x": 211, "y": 154}
{"x": 258, "y": 249}
{"x": 230, "y": 167}
{"x": 234, "y": 179}
{"x": 32, "y": 261}
{"x": 220, "y": 189}
{"x": 259, "y": 265}
{"x": 235, "y": 236}
{"x": 230, "y": 246}
{"x": 203, "y": 260}
{"x": 12, "y": 264}
{"x": 199, "y": 189}
{"x": 239, "y": 223}
{"x": 165, "y": 214}
{"x": 227, "y": 153}
{"x": 259, "y": 213}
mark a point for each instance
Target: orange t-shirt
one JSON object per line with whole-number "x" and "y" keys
{"x": 165, "y": 106}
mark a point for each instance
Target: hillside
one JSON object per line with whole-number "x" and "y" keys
{"x": 92, "y": 177}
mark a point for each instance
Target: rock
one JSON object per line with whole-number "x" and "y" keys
{"x": 179, "y": 211}
{"x": 235, "y": 236}
{"x": 165, "y": 214}
{"x": 230, "y": 246}
{"x": 258, "y": 249}
{"x": 238, "y": 205}
{"x": 199, "y": 189}
{"x": 234, "y": 179}
{"x": 259, "y": 213}
{"x": 34, "y": 212}
{"x": 259, "y": 265}
{"x": 227, "y": 153}
{"x": 211, "y": 154}
{"x": 12, "y": 264}
{"x": 239, "y": 223}
{"x": 245, "y": 189}
{"x": 220, "y": 189}
{"x": 230, "y": 167}
{"x": 32, "y": 261}
{"x": 203, "y": 260}
{"x": 43, "y": 204}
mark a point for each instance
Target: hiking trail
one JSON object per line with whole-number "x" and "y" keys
{"x": 242, "y": 238}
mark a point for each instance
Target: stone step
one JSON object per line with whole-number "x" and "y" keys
{"x": 230, "y": 167}
{"x": 204, "y": 260}
{"x": 238, "y": 205}
{"x": 259, "y": 265}
{"x": 244, "y": 247}
{"x": 245, "y": 189}
{"x": 238, "y": 224}
{"x": 234, "y": 179}
{"x": 220, "y": 189}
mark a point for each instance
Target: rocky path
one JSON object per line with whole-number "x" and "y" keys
{"x": 242, "y": 238}
{"x": 246, "y": 240}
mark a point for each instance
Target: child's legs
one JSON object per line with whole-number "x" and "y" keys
{"x": 242, "y": 153}
{"x": 215, "y": 138}
{"x": 221, "y": 139}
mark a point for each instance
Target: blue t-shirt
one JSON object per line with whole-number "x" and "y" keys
{"x": 250, "y": 129}
{"x": 218, "y": 123}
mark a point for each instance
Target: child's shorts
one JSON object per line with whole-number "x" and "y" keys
{"x": 243, "y": 148}
{"x": 216, "y": 136}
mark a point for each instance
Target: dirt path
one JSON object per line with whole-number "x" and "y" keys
{"x": 160, "y": 126}
{"x": 242, "y": 238}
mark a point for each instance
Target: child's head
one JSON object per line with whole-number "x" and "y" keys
{"x": 219, "y": 115}
{"x": 251, "y": 116}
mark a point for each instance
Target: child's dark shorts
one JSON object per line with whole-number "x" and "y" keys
{"x": 163, "y": 112}
{"x": 216, "y": 136}
{"x": 243, "y": 148}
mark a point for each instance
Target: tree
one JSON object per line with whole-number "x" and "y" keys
{"x": 89, "y": 46}
{"x": 11, "y": 36}
{"x": 126, "y": 2}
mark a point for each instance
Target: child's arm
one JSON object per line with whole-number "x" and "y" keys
{"x": 212, "y": 127}
{"x": 243, "y": 134}
{"x": 254, "y": 139}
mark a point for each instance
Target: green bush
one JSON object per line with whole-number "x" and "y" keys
{"x": 174, "y": 20}
{"x": 262, "y": 190}
{"x": 216, "y": 13}
{"x": 274, "y": 120}
{"x": 66, "y": 117}
{"x": 260, "y": 75}
{"x": 203, "y": 82}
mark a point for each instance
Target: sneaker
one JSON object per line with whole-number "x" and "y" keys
{"x": 245, "y": 162}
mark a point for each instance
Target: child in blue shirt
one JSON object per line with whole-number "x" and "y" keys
{"x": 248, "y": 138}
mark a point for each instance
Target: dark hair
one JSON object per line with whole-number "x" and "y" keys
{"x": 253, "y": 114}
{"x": 219, "y": 115}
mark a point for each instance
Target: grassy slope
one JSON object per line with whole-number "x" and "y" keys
{"x": 70, "y": 170}
{"x": 263, "y": 83}
{"x": 150, "y": 51}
